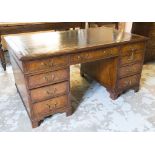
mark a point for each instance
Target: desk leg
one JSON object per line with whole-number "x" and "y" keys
{"x": 69, "y": 109}
{"x": 81, "y": 72}
{"x": 136, "y": 88}
{"x": 113, "y": 94}
{"x": 69, "y": 112}
{"x": 3, "y": 62}
{"x": 35, "y": 124}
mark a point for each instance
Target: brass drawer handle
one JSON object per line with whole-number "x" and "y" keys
{"x": 48, "y": 63}
{"x": 83, "y": 57}
{"x": 52, "y": 107}
{"x": 86, "y": 56}
{"x": 133, "y": 49}
{"x": 79, "y": 57}
{"x": 44, "y": 64}
{"x": 128, "y": 83}
{"x": 129, "y": 70}
{"x": 51, "y": 93}
{"x": 47, "y": 77}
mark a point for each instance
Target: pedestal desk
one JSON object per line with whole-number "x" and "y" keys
{"x": 41, "y": 65}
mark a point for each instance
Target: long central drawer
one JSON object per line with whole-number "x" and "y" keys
{"x": 93, "y": 55}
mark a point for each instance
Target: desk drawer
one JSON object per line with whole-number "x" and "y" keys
{"x": 130, "y": 70}
{"x": 128, "y": 82}
{"x": 93, "y": 55}
{"x": 46, "y": 64}
{"x": 131, "y": 58}
{"x": 127, "y": 49}
{"x": 49, "y": 92}
{"x": 151, "y": 43}
{"x": 49, "y": 106}
{"x": 48, "y": 78}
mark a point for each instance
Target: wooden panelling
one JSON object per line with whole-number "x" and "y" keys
{"x": 21, "y": 84}
{"x": 105, "y": 72}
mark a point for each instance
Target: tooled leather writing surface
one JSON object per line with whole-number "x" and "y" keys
{"x": 43, "y": 44}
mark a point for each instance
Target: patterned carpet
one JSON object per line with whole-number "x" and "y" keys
{"x": 94, "y": 110}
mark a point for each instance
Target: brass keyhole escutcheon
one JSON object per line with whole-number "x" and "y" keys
{"x": 44, "y": 64}
{"x": 131, "y": 57}
{"x": 87, "y": 56}
{"x": 46, "y": 78}
{"x": 51, "y": 63}
{"x": 128, "y": 70}
{"x": 53, "y": 76}
{"x": 79, "y": 57}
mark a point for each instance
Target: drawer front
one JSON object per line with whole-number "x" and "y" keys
{"x": 93, "y": 55}
{"x": 130, "y": 70}
{"x": 128, "y": 82}
{"x": 152, "y": 34}
{"x": 48, "y": 92}
{"x": 48, "y": 78}
{"x": 150, "y": 52}
{"x": 127, "y": 49}
{"x": 151, "y": 43}
{"x": 46, "y": 64}
{"x": 132, "y": 57}
{"x": 49, "y": 106}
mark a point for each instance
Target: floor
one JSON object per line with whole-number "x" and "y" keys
{"x": 93, "y": 109}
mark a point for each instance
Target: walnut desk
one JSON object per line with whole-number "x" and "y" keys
{"x": 41, "y": 65}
